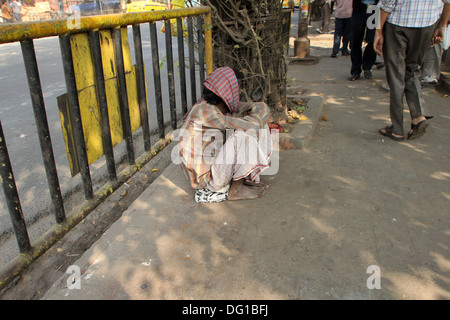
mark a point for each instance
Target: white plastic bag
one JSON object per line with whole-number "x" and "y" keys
{"x": 446, "y": 43}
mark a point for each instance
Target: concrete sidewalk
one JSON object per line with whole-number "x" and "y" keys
{"x": 348, "y": 200}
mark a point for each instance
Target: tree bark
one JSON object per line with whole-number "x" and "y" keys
{"x": 247, "y": 35}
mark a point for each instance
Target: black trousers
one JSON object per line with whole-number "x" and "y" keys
{"x": 361, "y": 60}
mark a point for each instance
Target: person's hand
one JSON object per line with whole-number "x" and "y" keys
{"x": 438, "y": 36}
{"x": 378, "y": 42}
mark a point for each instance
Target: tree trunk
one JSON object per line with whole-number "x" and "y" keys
{"x": 248, "y": 36}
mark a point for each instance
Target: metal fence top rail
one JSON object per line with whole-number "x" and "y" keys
{"x": 13, "y": 32}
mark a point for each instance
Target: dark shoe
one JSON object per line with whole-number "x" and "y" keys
{"x": 368, "y": 74}
{"x": 380, "y": 65}
{"x": 355, "y": 76}
{"x": 417, "y": 130}
{"x": 389, "y": 132}
{"x": 346, "y": 53}
{"x": 334, "y": 54}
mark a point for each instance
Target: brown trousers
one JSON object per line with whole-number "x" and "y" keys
{"x": 404, "y": 51}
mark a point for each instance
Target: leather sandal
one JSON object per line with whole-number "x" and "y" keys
{"x": 389, "y": 132}
{"x": 417, "y": 130}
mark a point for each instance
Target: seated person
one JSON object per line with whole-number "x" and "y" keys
{"x": 225, "y": 144}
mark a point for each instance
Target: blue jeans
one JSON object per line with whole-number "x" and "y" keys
{"x": 342, "y": 30}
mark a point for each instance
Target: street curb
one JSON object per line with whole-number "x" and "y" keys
{"x": 303, "y": 130}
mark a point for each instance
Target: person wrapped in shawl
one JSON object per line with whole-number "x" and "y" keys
{"x": 225, "y": 144}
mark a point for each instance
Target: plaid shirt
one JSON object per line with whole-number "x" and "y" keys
{"x": 413, "y": 13}
{"x": 196, "y": 129}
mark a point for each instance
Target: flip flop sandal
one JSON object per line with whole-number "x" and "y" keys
{"x": 354, "y": 77}
{"x": 417, "y": 130}
{"x": 388, "y": 132}
{"x": 207, "y": 196}
{"x": 368, "y": 74}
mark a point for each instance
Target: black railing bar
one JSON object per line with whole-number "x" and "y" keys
{"x": 192, "y": 60}
{"x": 182, "y": 67}
{"x": 72, "y": 97}
{"x": 170, "y": 75}
{"x": 37, "y": 101}
{"x": 201, "y": 51}
{"x": 123, "y": 95}
{"x": 103, "y": 104}
{"x": 157, "y": 79}
{"x": 12, "y": 197}
{"x": 142, "y": 92}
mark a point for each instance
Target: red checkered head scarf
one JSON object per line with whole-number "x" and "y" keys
{"x": 224, "y": 83}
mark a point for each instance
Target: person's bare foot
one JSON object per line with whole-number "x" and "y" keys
{"x": 262, "y": 183}
{"x": 240, "y": 191}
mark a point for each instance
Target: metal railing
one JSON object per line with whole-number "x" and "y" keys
{"x": 92, "y": 25}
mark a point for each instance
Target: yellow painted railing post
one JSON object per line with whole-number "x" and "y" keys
{"x": 208, "y": 44}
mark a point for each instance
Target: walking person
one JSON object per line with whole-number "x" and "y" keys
{"x": 325, "y": 7}
{"x": 343, "y": 26}
{"x": 407, "y": 29}
{"x": 431, "y": 66}
{"x": 6, "y": 12}
{"x": 16, "y": 7}
{"x": 362, "y": 60}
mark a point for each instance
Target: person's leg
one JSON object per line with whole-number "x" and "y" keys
{"x": 321, "y": 20}
{"x": 394, "y": 53}
{"x": 369, "y": 55}
{"x": 346, "y": 33}
{"x": 338, "y": 31}
{"x": 356, "y": 42}
{"x": 419, "y": 42}
{"x": 326, "y": 18}
{"x": 240, "y": 157}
